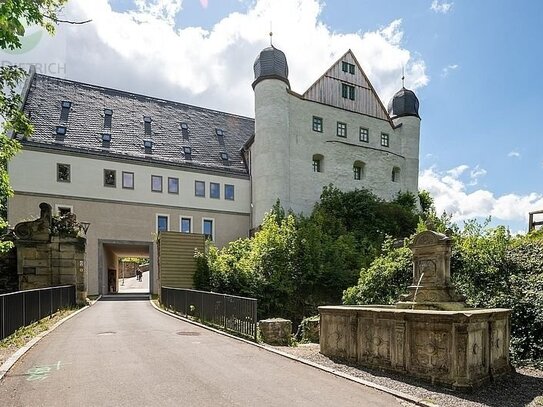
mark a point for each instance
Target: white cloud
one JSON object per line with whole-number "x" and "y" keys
{"x": 442, "y": 8}
{"x": 514, "y": 153}
{"x": 142, "y": 50}
{"x": 450, "y": 195}
{"x": 445, "y": 71}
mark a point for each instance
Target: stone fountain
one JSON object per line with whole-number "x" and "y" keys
{"x": 430, "y": 333}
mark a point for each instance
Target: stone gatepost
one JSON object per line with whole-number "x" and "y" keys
{"x": 47, "y": 260}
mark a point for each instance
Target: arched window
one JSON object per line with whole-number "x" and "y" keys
{"x": 358, "y": 170}
{"x": 396, "y": 174}
{"x": 318, "y": 163}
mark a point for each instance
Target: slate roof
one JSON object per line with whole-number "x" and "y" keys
{"x": 85, "y": 125}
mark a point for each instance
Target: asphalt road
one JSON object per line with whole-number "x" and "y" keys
{"x": 126, "y": 353}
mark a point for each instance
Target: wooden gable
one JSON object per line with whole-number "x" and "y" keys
{"x": 328, "y": 89}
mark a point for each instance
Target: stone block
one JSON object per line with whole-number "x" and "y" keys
{"x": 309, "y": 329}
{"x": 458, "y": 349}
{"x": 275, "y": 331}
{"x": 35, "y": 263}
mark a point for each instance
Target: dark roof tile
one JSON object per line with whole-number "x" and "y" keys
{"x": 85, "y": 125}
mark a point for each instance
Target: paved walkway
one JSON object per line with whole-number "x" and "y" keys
{"x": 126, "y": 353}
{"x": 132, "y": 285}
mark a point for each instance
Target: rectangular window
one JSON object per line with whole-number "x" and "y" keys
{"x": 63, "y": 173}
{"x": 156, "y": 183}
{"x": 317, "y": 124}
{"x": 357, "y": 172}
{"x": 207, "y": 229}
{"x": 364, "y": 134}
{"x": 63, "y": 210}
{"x": 214, "y": 190}
{"x": 341, "y": 129}
{"x": 200, "y": 188}
{"x": 384, "y": 139}
{"x": 347, "y": 91}
{"x": 128, "y": 180}
{"x": 186, "y": 224}
{"x": 162, "y": 222}
{"x": 110, "y": 178}
{"x": 229, "y": 192}
{"x": 316, "y": 165}
{"x": 347, "y": 67}
{"x": 187, "y": 151}
{"x": 173, "y": 185}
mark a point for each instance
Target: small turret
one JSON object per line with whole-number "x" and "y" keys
{"x": 404, "y": 103}
{"x": 271, "y": 63}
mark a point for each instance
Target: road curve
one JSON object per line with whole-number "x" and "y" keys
{"x": 126, "y": 353}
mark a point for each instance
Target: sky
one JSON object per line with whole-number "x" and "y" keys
{"x": 476, "y": 67}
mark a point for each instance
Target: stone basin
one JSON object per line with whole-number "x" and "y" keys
{"x": 461, "y": 349}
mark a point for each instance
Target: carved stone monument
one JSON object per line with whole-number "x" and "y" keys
{"x": 429, "y": 334}
{"x": 431, "y": 287}
{"x": 45, "y": 259}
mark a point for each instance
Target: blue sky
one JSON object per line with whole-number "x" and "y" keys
{"x": 475, "y": 66}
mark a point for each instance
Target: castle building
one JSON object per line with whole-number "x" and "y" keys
{"x": 133, "y": 165}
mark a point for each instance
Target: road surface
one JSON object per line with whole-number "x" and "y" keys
{"x": 126, "y": 353}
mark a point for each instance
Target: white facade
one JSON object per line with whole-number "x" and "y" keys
{"x": 285, "y": 144}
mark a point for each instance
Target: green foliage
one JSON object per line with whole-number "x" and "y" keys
{"x": 384, "y": 280}
{"x": 13, "y": 15}
{"x": 294, "y": 263}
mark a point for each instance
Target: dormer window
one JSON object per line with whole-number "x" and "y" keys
{"x": 184, "y": 126}
{"x": 148, "y": 144}
{"x": 108, "y": 113}
{"x": 219, "y": 132}
{"x": 106, "y": 137}
{"x": 65, "y": 105}
{"x": 61, "y": 130}
{"x": 187, "y": 151}
{"x": 224, "y": 156}
{"x": 147, "y": 125}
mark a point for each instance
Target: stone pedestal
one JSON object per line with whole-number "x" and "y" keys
{"x": 275, "y": 331}
{"x": 459, "y": 349}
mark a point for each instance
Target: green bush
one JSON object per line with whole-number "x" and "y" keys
{"x": 295, "y": 263}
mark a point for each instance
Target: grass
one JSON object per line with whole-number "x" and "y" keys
{"x": 22, "y": 336}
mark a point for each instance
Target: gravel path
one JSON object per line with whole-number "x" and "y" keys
{"x": 521, "y": 388}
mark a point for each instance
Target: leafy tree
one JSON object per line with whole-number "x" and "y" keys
{"x": 13, "y": 16}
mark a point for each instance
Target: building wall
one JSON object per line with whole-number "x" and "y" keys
{"x": 118, "y": 214}
{"x": 285, "y": 143}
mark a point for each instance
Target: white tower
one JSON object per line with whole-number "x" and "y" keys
{"x": 270, "y": 152}
{"x": 404, "y": 111}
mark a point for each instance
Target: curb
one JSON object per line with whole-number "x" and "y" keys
{"x": 392, "y": 392}
{"x": 8, "y": 364}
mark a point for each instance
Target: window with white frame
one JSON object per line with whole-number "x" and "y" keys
{"x": 185, "y": 224}
{"x": 208, "y": 228}
{"x": 162, "y": 223}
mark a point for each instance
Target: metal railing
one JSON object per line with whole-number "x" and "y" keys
{"x": 22, "y": 308}
{"x": 227, "y": 312}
